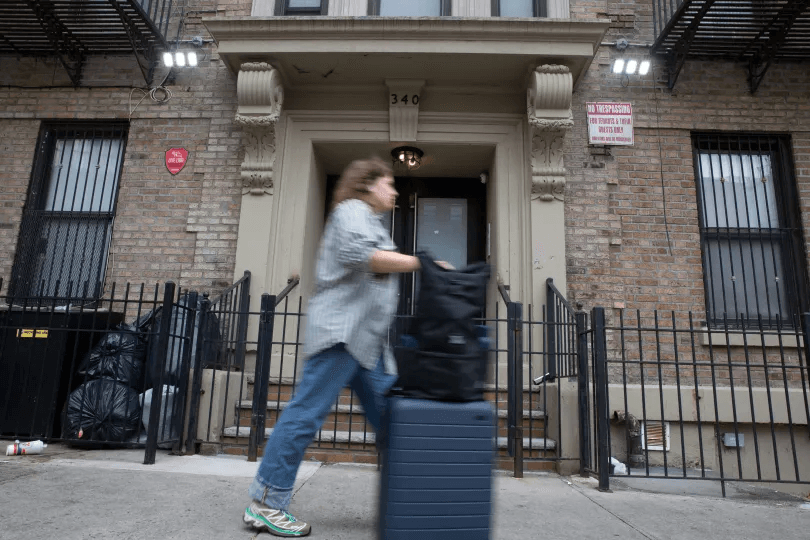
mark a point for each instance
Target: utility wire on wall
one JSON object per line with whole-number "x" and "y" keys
{"x": 660, "y": 158}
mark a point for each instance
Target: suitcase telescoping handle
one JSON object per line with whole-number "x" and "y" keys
{"x": 543, "y": 378}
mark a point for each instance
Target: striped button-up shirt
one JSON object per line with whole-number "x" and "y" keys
{"x": 350, "y": 304}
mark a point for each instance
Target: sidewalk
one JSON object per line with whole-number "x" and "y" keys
{"x": 69, "y": 494}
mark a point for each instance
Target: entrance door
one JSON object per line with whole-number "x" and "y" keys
{"x": 445, "y": 217}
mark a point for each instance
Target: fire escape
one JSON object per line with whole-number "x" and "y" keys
{"x": 757, "y": 32}
{"x": 73, "y": 30}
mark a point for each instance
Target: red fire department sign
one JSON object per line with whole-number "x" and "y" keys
{"x": 176, "y": 159}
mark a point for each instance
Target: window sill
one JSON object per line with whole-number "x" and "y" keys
{"x": 751, "y": 339}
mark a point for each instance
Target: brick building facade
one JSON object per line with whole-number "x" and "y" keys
{"x": 623, "y": 249}
{"x": 614, "y": 226}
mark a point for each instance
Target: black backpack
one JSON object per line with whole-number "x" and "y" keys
{"x": 445, "y": 358}
{"x": 448, "y": 302}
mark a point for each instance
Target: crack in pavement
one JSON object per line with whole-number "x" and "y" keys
{"x": 582, "y": 492}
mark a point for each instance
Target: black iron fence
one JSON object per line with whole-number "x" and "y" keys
{"x": 97, "y": 370}
{"x": 237, "y": 397}
{"x": 220, "y": 374}
{"x": 672, "y": 398}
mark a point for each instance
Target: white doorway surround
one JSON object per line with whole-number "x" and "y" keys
{"x": 494, "y": 96}
{"x": 279, "y": 230}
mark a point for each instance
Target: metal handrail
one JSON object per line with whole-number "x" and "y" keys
{"x": 244, "y": 279}
{"x": 292, "y": 282}
{"x": 559, "y": 296}
{"x": 504, "y": 290}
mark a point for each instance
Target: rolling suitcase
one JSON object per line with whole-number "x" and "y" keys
{"x": 436, "y": 481}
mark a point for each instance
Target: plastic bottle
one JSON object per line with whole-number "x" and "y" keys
{"x": 33, "y": 447}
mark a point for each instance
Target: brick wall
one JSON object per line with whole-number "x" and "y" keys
{"x": 624, "y": 248}
{"x": 631, "y": 216}
{"x": 181, "y": 227}
{"x": 17, "y": 141}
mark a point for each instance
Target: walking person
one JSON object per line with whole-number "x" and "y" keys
{"x": 351, "y": 308}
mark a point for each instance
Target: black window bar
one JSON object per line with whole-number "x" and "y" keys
{"x": 753, "y": 249}
{"x": 67, "y": 220}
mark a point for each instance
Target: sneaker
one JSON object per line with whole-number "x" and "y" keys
{"x": 276, "y": 522}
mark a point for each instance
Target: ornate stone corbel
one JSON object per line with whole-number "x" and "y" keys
{"x": 549, "y": 114}
{"x": 260, "y": 97}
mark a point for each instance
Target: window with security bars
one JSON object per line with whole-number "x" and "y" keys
{"x": 753, "y": 248}
{"x": 68, "y": 216}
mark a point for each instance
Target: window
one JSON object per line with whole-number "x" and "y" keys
{"x": 67, "y": 220}
{"x": 301, "y": 7}
{"x": 753, "y": 251}
{"x": 411, "y": 8}
{"x": 519, "y": 8}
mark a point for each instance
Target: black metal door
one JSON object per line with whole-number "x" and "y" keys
{"x": 412, "y": 222}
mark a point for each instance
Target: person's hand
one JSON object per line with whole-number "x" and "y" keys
{"x": 446, "y": 265}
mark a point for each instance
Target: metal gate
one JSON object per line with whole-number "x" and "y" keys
{"x": 673, "y": 398}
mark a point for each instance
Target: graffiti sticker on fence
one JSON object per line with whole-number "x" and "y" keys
{"x": 610, "y": 123}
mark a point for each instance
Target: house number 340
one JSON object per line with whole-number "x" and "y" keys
{"x": 405, "y": 99}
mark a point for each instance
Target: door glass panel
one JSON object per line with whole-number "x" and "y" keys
{"x": 441, "y": 229}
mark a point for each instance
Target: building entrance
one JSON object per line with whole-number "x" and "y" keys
{"x": 445, "y": 217}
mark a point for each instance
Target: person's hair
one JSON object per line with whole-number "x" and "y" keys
{"x": 358, "y": 177}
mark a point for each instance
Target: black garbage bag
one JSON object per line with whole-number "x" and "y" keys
{"x": 447, "y": 305}
{"x": 173, "y": 368}
{"x": 118, "y": 356}
{"x": 102, "y": 410}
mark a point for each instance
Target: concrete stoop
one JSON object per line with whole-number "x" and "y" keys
{"x": 346, "y": 438}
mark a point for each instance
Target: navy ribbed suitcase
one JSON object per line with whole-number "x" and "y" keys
{"x": 436, "y": 481}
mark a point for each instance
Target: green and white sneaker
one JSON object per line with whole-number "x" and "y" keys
{"x": 276, "y": 522}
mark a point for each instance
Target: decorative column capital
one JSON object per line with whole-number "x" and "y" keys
{"x": 549, "y": 96}
{"x": 260, "y": 97}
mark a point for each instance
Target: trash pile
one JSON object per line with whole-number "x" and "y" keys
{"x": 120, "y": 373}
{"x": 106, "y": 407}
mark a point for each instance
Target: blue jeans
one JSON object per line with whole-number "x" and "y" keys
{"x": 324, "y": 376}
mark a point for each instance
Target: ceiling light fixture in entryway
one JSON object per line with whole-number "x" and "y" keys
{"x": 409, "y": 157}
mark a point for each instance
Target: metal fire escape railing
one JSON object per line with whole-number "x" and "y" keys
{"x": 73, "y": 30}
{"x": 755, "y": 32}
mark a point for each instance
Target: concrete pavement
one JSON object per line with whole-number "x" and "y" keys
{"x": 69, "y": 494}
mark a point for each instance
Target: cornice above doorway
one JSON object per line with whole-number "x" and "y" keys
{"x": 329, "y": 52}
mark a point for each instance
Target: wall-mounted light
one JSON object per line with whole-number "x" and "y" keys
{"x": 631, "y": 66}
{"x": 180, "y": 59}
{"x": 409, "y": 157}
